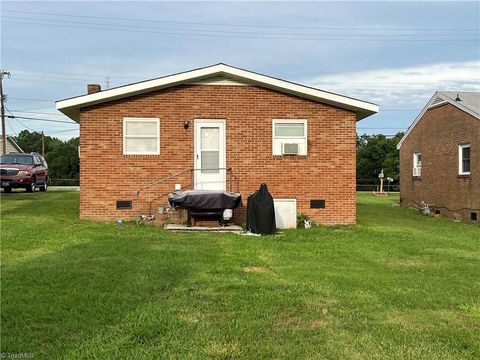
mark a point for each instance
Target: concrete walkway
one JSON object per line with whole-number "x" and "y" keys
{"x": 230, "y": 228}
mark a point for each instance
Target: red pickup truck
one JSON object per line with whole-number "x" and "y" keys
{"x": 18, "y": 170}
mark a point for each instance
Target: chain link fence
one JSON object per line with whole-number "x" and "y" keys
{"x": 376, "y": 187}
{"x": 64, "y": 182}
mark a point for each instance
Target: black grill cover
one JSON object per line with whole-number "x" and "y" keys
{"x": 204, "y": 200}
{"x": 261, "y": 212}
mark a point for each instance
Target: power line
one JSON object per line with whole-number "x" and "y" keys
{"x": 11, "y": 129}
{"x": 36, "y": 108}
{"x": 36, "y": 131}
{"x": 381, "y": 110}
{"x": 75, "y": 74}
{"x": 225, "y": 31}
{"x": 29, "y": 128}
{"x": 26, "y": 99}
{"x": 35, "y": 112}
{"x": 196, "y": 34}
{"x": 240, "y": 25}
{"x": 25, "y": 126}
{"x": 39, "y": 119}
{"x": 34, "y": 73}
{"x": 379, "y": 128}
{"x": 63, "y": 131}
{"x": 384, "y": 88}
{"x": 78, "y": 81}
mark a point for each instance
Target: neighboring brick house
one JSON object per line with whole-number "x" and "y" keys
{"x": 440, "y": 156}
{"x": 217, "y": 117}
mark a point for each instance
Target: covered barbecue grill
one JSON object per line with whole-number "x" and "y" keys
{"x": 261, "y": 212}
{"x": 207, "y": 204}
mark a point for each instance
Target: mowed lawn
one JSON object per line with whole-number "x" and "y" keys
{"x": 397, "y": 285}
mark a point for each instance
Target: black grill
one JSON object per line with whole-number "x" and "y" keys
{"x": 8, "y": 172}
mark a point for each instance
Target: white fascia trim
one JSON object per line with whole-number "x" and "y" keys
{"x": 429, "y": 106}
{"x": 14, "y": 144}
{"x": 70, "y": 107}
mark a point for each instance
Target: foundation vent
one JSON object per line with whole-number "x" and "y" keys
{"x": 124, "y": 204}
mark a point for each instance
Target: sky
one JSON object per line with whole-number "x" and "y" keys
{"x": 395, "y": 54}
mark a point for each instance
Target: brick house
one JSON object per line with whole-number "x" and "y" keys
{"x": 218, "y": 117}
{"x": 440, "y": 156}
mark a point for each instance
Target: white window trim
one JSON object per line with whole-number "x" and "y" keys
{"x": 460, "y": 159}
{"x": 125, "y": 136}
{"x": 293, "y": 138}
{"x": 415, "y": 159}
{"x": 417, "y": 169}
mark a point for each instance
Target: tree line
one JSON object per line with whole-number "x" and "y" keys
{"x": 61, "y": 156}
{"x": 374, "y": 153}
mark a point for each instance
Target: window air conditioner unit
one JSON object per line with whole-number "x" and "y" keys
{"x": 289, "y": 149}
{"x": 417, "y": 171}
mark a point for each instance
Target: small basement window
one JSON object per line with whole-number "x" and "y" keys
{"x": 473, "y": 216}
{"x": 464, "y": 159}
{"x": 141, "y": 136}
{"x": 124, "y": 204}
{"x": 289, "y": 137}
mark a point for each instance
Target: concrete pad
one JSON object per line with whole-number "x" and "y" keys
{"x": 181, "y": 227}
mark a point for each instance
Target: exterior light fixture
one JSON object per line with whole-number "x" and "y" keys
{"x": 186, "y": 124}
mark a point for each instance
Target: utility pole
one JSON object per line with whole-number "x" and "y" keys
{"x": 2, "y": 97}
{"x": 43, "y": 145}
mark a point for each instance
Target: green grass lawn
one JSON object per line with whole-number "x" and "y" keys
{"x": 397, "y": 285}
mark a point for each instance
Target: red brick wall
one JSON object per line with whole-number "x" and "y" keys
{"x": 437, "y": 137}
{"x": 327, "y": 172}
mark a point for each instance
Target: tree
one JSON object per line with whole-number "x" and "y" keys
{"x": 374, "y": 153}
{"x": 61, "y": 156}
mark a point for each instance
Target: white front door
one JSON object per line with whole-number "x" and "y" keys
{"x": 210, "y": 172}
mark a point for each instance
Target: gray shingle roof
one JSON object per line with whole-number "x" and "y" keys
{"x": 470, "y": 100}
{"x": 470, "y": 103}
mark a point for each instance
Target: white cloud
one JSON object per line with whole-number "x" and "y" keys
{"x": 403, "y": 87}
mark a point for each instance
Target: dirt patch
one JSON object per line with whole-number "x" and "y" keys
{"x": 324, "y": 319}
{"x": 254, "y": 269}
{"x": 319, "y": 323}
{"x": 403, "y": 262}
{"x": 191, "y": 318}
{"x": 223, "y": 350}
{"x": 430, "y": 319}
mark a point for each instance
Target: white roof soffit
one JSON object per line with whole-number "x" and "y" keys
{"x": 436, "y": 100}
{"x": 71, "y": 107}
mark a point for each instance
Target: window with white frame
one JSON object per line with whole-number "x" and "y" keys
{"x": 141, "y": 136}
{"x": 417, "y": 164}
{"x": 289, "y": 137}
{"x": 464, "y": 159}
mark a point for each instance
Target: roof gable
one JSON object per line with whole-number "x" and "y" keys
{"x": 440, "y": 98}
{"x": 219, "y": 74}
{"x": 12, "y": 143}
